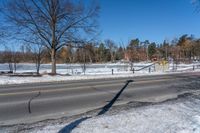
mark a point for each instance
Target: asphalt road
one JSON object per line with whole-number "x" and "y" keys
{"x": 58, "y": 99}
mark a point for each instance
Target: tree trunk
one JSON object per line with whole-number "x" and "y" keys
{"x": 53, "y": 48}
{"x": 90, "y": 58}
{"x": 38, "y": 65}
{"x": 10, "y": 67}
{"x": 53, "y": 61}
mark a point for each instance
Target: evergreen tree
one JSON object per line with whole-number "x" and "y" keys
{"x": 152, "y": 49}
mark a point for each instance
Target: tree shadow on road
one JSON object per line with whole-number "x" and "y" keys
{"x": 109, "y": 105}
{"x": 68, "y": 128}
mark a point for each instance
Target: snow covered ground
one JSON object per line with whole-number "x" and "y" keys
{"x": 93, "y": 71}
{"x": 47, "y": 78}
{"x": 177, "y": 116}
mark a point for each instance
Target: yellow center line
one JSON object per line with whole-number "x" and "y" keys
{"x": 81, "y": 87}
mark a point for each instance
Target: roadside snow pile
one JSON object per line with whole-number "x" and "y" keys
{"x": 179, "y": 116}
{"x": 47, "y": 78}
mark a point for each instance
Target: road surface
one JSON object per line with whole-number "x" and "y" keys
{"x": 58, "y": 99}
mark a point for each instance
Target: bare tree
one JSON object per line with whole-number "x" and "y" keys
{"x": 55, "y": 22}
{"x": 112, "y": 48}
{"x": 8, "y": 59}
{"x": 37, "y": 53}
{"x": 12, "y": 58}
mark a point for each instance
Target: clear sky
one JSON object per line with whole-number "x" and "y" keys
{"x": 155, "y": 20}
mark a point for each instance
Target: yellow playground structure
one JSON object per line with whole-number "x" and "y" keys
{"x": 162, "y": 66}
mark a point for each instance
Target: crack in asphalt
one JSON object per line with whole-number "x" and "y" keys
{"x": 30, "y": 100}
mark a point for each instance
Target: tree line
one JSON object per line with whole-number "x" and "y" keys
{"x": 185, "y": 49}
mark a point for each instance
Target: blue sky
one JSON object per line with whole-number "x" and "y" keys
{"x": 155, "y": 20}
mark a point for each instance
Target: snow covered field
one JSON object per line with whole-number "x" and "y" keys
{"x": 93, "y": 71}
{"x": 177, "y": 116}
{"x": 75, "y": 69}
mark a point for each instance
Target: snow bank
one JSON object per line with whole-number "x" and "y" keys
{"x": 182, "y": 117}
{"x": 47, "y": 78}
{"x": 170, "y": 117}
